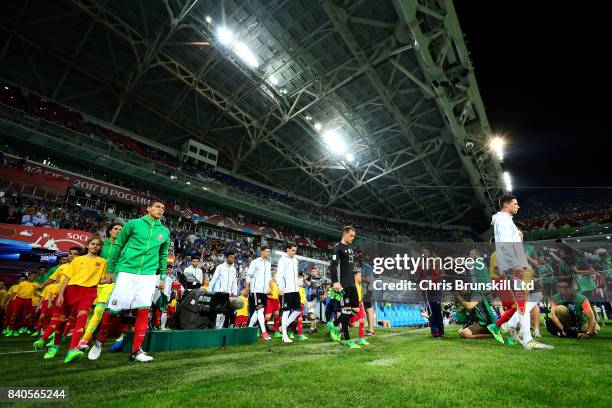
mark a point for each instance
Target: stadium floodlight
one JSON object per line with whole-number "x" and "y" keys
{"x": 308, "y": 117}
{"x": 225, "y": 36}
{"x": 189, "y": 183}
{"x": 272, "y": 80}
{"x": 497, "y": 146}
{"x": 318, "y": 126}
{"x": 507, "y": 181}
{"x": 350, "y": 157}
{"x": 245, "y": 54}
{"x": 334, "y": 142}
{"x": 208, "y": 19}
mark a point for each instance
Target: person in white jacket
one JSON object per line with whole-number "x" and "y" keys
{"x": 512, "y": 260}
{"x": 193, "y": 274}
{"x": 259, "y": 276}
{"x": 287, "y": 282}
{"x": 224, "y": 284}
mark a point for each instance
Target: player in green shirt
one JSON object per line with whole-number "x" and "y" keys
{"x": 478, "y": 315}
{"x": 571, "y": 313}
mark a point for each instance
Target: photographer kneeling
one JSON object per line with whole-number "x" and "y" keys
{"x": 571, "y": 314}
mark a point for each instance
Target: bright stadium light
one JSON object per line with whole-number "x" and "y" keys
{"x": 272, "y": 80}
{"x": 208, "y": 19}
{"x": 350, "y": 157}
{"x": 225, "y": 36}
{"x": 318, "y": 126}
{"x": 334, "y": 142}
{"x": 497, "y": 146}
{"x": 244, "y": 53}
{"x": 507, "y": 181}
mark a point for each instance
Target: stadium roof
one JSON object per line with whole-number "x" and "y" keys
{"x": 391, "y": 80}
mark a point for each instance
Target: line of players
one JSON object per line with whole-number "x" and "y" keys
{"x": 127, "y": 271}
{"x": 268, "y": 292}
{"x": 122, "y": 273}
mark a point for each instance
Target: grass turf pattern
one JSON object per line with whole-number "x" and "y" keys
{"x": 401, "y": 367}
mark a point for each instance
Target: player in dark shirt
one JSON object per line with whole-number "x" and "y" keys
{"x": 342, "y": 274}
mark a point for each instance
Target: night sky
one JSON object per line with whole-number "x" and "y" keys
{"x": 545, "y": 83}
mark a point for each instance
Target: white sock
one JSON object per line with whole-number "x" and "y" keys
{"x": 220, "y": 320}
{"x": 514, "y": 320}
{"x": 284, "y": 322}
{"x": 525, "y": 322}
{"x": 262, "y": 320}
{"x": 164, "y": 319}
{"x": 253, "y": 319}
{"x": 294, "y": 314}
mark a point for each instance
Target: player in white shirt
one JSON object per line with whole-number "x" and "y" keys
{"x": 259, "y": 275}
{"x": 512, "y": 260}
{"x": 224, "y": 284}
{"x": 287, "y": 281}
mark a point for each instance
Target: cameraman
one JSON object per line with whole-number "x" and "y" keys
{"x": 571, "y": 314}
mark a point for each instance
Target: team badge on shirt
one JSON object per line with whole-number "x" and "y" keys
{"x": 160, "y": 237}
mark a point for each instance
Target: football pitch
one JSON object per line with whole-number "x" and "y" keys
{"x": 401, "y": 367}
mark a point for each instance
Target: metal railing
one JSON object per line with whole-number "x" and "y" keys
{"x": 90, "y": 204}
{"x": 30, "y": 190}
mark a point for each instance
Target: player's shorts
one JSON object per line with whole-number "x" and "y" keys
{"x": 291, "y": 301}
{"x": 104, "y": 292}
{"x": 241, "y": 321}
{"x": 350, "y": 298}
{"x": 78, "y": 298}
{"x": 132, "y": 291}
{"x": 367, "y": 304}
{"x": 272, "y": 305}
{"x": 257, "y": 299}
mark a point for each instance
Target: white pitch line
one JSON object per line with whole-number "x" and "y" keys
{"x": 19, "y": 352}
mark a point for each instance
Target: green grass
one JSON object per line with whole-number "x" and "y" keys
{"x": 402, "y": 367}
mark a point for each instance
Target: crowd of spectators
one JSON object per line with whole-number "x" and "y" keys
{"x": 64, "y": 116}
{"x": 15, "y": 208}
{"x": 538, "y": 215}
